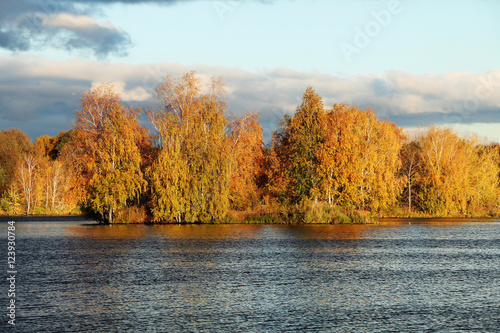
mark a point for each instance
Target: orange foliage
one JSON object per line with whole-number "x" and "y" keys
{"x": 247, "y": 151}
{"x": 325, "y": 161}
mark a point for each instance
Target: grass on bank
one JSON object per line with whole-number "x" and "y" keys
{"x": 404, "y": 212}
{"x": 305, "y": 213}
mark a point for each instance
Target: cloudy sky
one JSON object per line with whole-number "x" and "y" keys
{"x": 415, "y": 62}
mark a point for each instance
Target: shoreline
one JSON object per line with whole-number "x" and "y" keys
{"x": 42, "y": 218}
{"x": 376, "y": 220}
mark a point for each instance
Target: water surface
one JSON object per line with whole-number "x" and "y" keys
{"x": 399, "y": 277}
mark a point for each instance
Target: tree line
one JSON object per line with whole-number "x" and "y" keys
{"x": 200, "y": 163}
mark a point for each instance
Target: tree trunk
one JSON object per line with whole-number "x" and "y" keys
{"x": 409, "y": 194}
{"x": 47, "y": 190}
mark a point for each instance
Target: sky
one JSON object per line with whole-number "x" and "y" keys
{"x": 415, "y": 62}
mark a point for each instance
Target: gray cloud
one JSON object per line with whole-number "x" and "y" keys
{"x": 41, "y": 95}
{"x": 167, "y": 2}
{"x": 130, "y": 1}
{"x": 29, "y": 25}
{"x": 8, "y": 41}
{"x": 32, "y": 25}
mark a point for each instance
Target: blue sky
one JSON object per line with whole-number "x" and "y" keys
{"x": 427, "y": 36}
{"x": 415, "y": 62}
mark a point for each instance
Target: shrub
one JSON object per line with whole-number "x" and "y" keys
{"x": 134, "y": 214}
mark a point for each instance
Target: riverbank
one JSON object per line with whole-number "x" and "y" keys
{"x": 43, "y": 218}
{"x": 322, "y": 213}
{"x": 310, "y": 213}
{"x": 306, "y": 213}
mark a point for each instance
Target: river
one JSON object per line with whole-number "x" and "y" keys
{"x": 73, "y": 276}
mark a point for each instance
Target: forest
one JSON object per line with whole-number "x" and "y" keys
{"x": 196, "y": 162}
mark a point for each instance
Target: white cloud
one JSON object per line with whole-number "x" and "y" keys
{"x": 484, "y": 132}
{"x": 407, "y": 99}
{"x": 74, "y": 22}
{"x": 137, "y": 94}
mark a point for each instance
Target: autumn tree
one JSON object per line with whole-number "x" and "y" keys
{"x": 305, "y": 132}
{"x": 277, "y": 162}
{"x": 443, "y": 172}
{"x": 43, "y": 146}
{"x": 106, "y": 153}
{"x": 57, "y": 179}
{"x": 359, "y": 159}
{"x": 410, "y": 159}
{"x": 60, "y": 142}
{"x": 344, "y": 156}
{"x": 14, "y": 144}
{"x": 379, "y": 142}
{"x": 54, "y": 175}
{"x": 337, "y": 155}
{"x": 245, "y": 138}
{"x": 190, "y": 178}
{"x": 483, "y": 170}
{"x": 28, "y": 176}
{"x": 458, "y": 176}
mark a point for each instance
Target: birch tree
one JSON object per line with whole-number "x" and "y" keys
{"x": 107, "y": 153}
{"x": 190, "y": 179}
{"x": 359, "y": 160}
{"x": 247, "y": 150}
{"x": 28, "y": 178}
{"x": 305, "y": 133}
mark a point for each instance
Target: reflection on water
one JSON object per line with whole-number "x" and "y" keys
{"x": 258, "y": 278}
